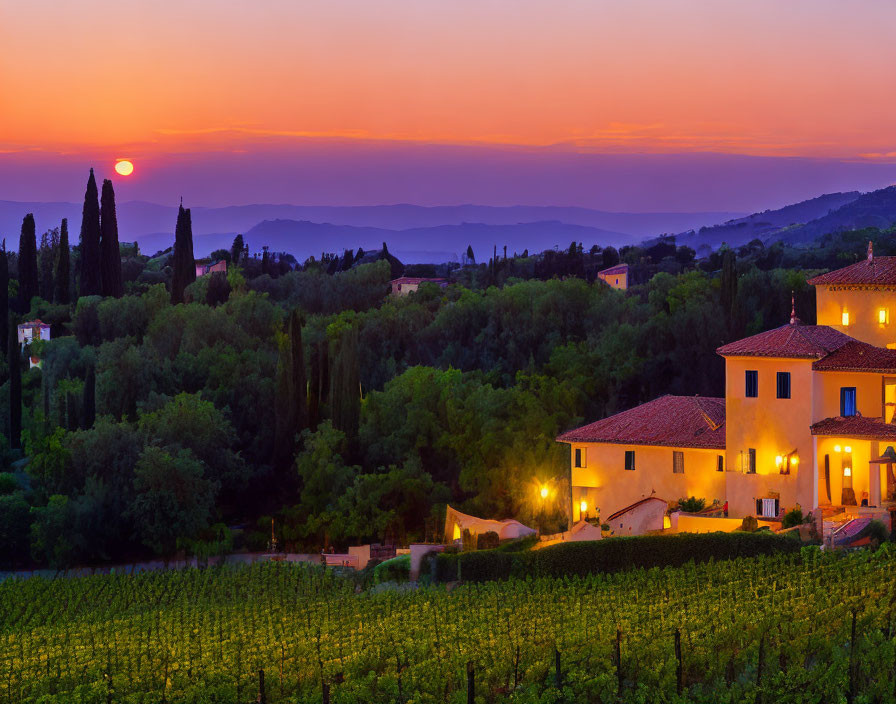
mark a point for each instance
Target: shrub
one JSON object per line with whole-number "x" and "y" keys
{"x": 793, "y": 517}
{"x": 749, "y": 524}
{"x": 691, "y": 505}
{"x": 609, "y": 555}
{"x": 877, "y": 532}
{"x": 398, "y": 569}
{"x": 8, "y": 483}
{"x": 487, "y": 541}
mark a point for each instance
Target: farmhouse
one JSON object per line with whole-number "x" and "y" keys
{"x": 615, "y": 276}
{"x": 207, "y": 266}
{"x": 408, "y": 284}
{"x": 807, "y": 420}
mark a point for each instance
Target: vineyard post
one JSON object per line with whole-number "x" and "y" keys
{"x": 850, "y": 682}
{"x": 262, "y": 698}
{"x": 558, "y": 674}
{"x": 471, "y": 683}
{"x": 759, "y": 669}
{"x": 619, "y": 662}
{"x": 679, "y": 673}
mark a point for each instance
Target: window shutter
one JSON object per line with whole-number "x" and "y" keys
{"x": 777, "y": 507}
{"x": 758, "y": 507}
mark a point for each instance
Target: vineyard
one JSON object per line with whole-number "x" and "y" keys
{"x": 806, "y": 627}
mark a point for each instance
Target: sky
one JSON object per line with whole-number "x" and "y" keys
{"x": 231, "y": 102}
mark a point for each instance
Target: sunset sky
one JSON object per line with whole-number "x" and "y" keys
{"x": 185, "y": 83}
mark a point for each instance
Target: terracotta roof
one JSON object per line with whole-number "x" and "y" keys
{"x": 634, "y": 506}
{"x": 855, "y": 427}
{"x": 796, "y": 341}
{"x": 669, "y": 421}
{"x": 856, "y": 356}
{"x": 34, "y": 324}
{"x": 880, "y": 271}
{"x": 415, "y": 280}
{"x": 618, "y": 269}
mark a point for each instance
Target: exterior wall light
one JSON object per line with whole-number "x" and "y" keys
{"x": 583, "y": 507}
{"x": 778, "y": 460}
{"x": 544, "y": 492}
{"x": 848, "y": 449}
{"x": 837, "y": 448}
{"x": 795, "y": 460}
{"x": 844, "y": 317}
{"x": 883, "y": 316}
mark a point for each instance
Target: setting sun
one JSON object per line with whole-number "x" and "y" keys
{"x": 124, "y": 167}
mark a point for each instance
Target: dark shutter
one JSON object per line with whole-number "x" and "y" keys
{"x": 759, "y": 507}
{"x": 777, "y": 507}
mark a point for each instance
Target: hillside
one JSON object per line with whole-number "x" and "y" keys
{"x": 766, "y": 224}
{"x": 875, "y": 209}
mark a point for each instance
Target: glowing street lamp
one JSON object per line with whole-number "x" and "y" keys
{"x": 544, "y": 492}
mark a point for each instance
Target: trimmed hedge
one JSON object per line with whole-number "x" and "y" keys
{"x": 608, "y": 555}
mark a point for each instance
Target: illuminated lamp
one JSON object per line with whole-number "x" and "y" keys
{"x": 795, "y": 460}
{"x": 882, "y": 316}
{"x": 837, "y": 448}
{"x": 844, "y": 318}
{"x": 848, "y": 448}
{"x": 544, "y": 492}
{"x": 778, "y": 460}
{"x": 847, "y": 471}
{"x": 583, "y": 507}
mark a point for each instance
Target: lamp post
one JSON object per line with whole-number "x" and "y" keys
{"x": 543, "y": 493}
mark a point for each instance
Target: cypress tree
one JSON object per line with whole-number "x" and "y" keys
{"x": 91, "y": 266}
{"x": 62, "y": 274}
{"x": 110, "y": 253}
{"x": 88, "y": 415}
{"x": 292, "y": 413}
{"x": 15, "y": 389}
{"x": 4, "y": 299}
{"x": 471, "y": 257}
{"x": 183, "y": 265}
{"x": 46, "y": 256}
{"x": 236, "y": 250}
{"x": 729, "y": 283}
{"x": 345, "y": 384}
{"x": 28, "y": 278}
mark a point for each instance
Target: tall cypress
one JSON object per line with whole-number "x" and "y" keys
{"x": 183, "y": 265}
{"x": 292, "y": 412}
{"x": 88, "y": 414}
{"x": 236, "y": 250}
{"x": 49, "y": 241}
{"x": 91, "y": 266}
{"x": 62, "y": 273}
{"x": 110, "y": 253}
{"x": 28, "y": 279}
{"x": 4, "y": 299}
{"x": 345, "y": 384}
{"x": 15, "y": 389}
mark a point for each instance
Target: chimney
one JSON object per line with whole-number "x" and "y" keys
{"x": 870, "y": 252}
{"x": 793, "y": 319}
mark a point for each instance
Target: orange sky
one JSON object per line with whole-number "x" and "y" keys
{"x": 131, "y": 78}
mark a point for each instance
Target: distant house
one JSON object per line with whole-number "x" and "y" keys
{"x": 31, "y": 331}
{"x": 207, "y": 266}
{"x": 408, "y": 284}
{"x": 615, "y": 276}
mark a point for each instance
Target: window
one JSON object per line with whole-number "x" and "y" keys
{"x": 847, "y": 401}
{"x": 748, "y": 461}
{"x": 629, "y": 459}
{"x": 783, "y": 384}
{"x": 720, "y": 463}
{"x": 677, "y": 462}
{"x": 751, "y": 379}
{"x": 767, "y": 508}
{"x": 846, "y": 464}
{"x": 581, "y": 457}
{"x": 883, "y": 316}
{"x": 844, "y": 317}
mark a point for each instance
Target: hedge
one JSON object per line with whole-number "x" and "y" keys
{"x": 607, "y": 555}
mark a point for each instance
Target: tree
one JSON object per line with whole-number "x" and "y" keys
{"x": 292, "y": 401}
{"x": 110, "y": 253}
{"x": 471, "y": 257}
{"x": 729, "y": 283}
{"x": 15, "y": 524}
{"x": 183, "y": 264}
{"x": 88, "y": 415}
{"x": 91, "y": 259}
{"x": 15, "y": 389}
{"x": 46, "y": 257}
{"x": 4, "y": 300}
{"x": 172, "y": 499}
{"x": 345, "y": 381}
{"x": 28, "y": 278}
{"x": 236, "y": 249}
{"x": 62, "y": 273}
{"x": 218, "y": 290}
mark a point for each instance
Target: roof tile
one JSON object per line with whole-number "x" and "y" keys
{"x": 879, "y": 271}
{"x": 855, "y": 427}
{"x": 856, "y": 356}
{"x": 796, "y": 341}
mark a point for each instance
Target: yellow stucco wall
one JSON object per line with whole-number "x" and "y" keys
{"x": 405, "y": 289}
{"x": 619, "y": 281}
{"x": 771, "y": 426}
{"x": 862, "y": 451}
{"x": 606, "y": 486}
{"x": 869, "y": 393}
{"x": 863, "y": 306}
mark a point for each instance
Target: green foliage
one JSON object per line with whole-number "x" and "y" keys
{"x": 877, "y": 532}
{"x": 487, "y": 541}
{"x": 15, "y": 527}
{"x": 397, "y": 569}
{"x": 691, "y": 504}
{"x": 91, "y": 283}
{"x": 793, "y": 517}
{"x": 610, "y": 555}
{"x": 173, "y": 500}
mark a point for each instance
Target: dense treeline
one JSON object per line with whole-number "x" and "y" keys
{"x": 318, "y": 401}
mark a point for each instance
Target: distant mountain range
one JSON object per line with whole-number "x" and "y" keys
{"x": 442, "y": 233}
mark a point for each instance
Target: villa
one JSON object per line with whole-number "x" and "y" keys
{"x": 408, "y": 284}
{"x": 807, "y": 419}
{"x": 615, "y": 277}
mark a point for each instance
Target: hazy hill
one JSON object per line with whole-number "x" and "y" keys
{"x": 765, "y": 225}
{"x": 875, "y": 209}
